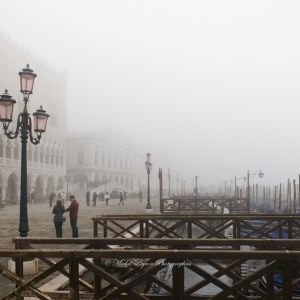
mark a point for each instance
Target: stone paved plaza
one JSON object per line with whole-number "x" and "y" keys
{"x": 41, "y": 224}
{"x": 41, "y": 218}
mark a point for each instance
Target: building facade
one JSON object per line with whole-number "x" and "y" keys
{"x": 96, "y": 158}
{"x": 47, "y": 160}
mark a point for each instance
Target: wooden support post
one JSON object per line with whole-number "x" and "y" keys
{"x": 287, "y": 279}
{"x": 141, "y": 228}
{"x": 105, "y": 229}
{"x": 97, "y": 278}
{"x": 178, "y": 279}
{"x": 74, "y": 276}
{"x": 95, "y": 229}
{"x": 147, "y": 229}
{"x": 294, "y": 183}
{"x": 279, "y": 199}
{"x": 19, "y": 267}
{"x": 190, "y": 230}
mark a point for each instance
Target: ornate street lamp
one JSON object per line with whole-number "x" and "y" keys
{"x": 148, "y": 167}
{"x": 260, "y": 175}
{"x": 24, "y": 127}
{"x": 169, "y": 176}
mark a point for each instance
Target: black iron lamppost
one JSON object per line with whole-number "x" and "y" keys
{"x": 260, "y": 175}
{"x": 169, "y": 176}
{"x": 196, "y": 186}
{"x": 177, "y": 178}
{"x": 148, "y": 167}
{"x": 23, "y": 127}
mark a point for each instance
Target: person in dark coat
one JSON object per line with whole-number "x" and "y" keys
{"x": 73, "y": 209}
{"x": 58, "y": 211}
{"x": 121, "y": 199}
{"x": 51, "y": 198}
{"x": 87, "y": 197}
{"x": 94, "y": 198}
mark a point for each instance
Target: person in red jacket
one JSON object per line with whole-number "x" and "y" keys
{"x": 73, "y": 209}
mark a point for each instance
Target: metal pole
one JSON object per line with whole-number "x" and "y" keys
{"x": 148, "y": 200}
{"x": 234, "y": 186}
{"x": 248, "y": 189}
{"x": 169, "y": 187}
{"x": 23, "y": 225}
{"x": 196, "y": 186}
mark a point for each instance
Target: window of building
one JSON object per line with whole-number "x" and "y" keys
{"x": 1, "y": 151}
{"x": 80, "y": 157}
{"x": 115, "y": 162}
{"x": 109, "y": 161}
{"x": 7, "y": 152}
{"x": 96, "y": 158}
{"x": 16, "y": 153}
{"x": 103, "y": 159}
{"x": 126, "y": 164}
{"x": 35, "y": 156}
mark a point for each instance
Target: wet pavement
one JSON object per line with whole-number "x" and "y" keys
{"x": 41, "y": 224}
{"x": 41, "y": 218}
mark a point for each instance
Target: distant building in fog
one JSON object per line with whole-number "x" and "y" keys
{"x": 47, "y": 160}
{"x": 105, "y": 156}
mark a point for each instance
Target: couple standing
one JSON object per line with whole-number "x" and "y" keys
{"x": 59, "y": 210}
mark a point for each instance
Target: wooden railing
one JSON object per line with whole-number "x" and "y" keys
{"x": 204, "y": 204}
{"x": 141, "y": 267}
{"x": 221, "y": 226}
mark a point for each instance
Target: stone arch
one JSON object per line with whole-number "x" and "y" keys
{"x": 39, "y": 187}
{"x": 30, "y": 183}
{"x": 104, "y": 179}
{"x": 60, "y": 182}
{"x": 131, "y": 184}
{"x": 81, "y": 178}
{"x": 51, "y": 185}
{"x": 127, "y": 182}
{"x": 12, "y": 190}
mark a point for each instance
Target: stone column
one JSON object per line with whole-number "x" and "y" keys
{"x": 3, "y": 189}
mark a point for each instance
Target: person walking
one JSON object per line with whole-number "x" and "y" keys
{"x": 125, "y": 195}
{"x": 121, "y": 199}
{"x": 87, "y": 197}
{"x": 73, "y": 209}
{"x": 106, "y": 197}
{"x": 51, "y": 198}
{"x": 58, "y": 219}
{"x": 32, "y": 196}
{"x": 94, "y": 198}
{"x": 63, "y": 197}
{"x": 141, "y": 196}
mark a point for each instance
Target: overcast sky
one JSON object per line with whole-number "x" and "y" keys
{"x": 214, "y": 83}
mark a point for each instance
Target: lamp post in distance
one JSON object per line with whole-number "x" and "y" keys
{"x": 169, "y": 177}
{"x": 196, "y": 186}
{"x": 67, "y": 179}
{"x": 260, "y": 175}
{"x": 177, "y": 179}
{"x": 24, "y": 127}
{"x": 148, "y": 167}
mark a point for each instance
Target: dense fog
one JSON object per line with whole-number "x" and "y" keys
{"x": 211, "y": 88}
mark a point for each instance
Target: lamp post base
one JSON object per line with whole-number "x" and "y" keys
{"x": 149, "y": 211}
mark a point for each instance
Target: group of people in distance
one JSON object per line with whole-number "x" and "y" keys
{"x": 106, "y": 198}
